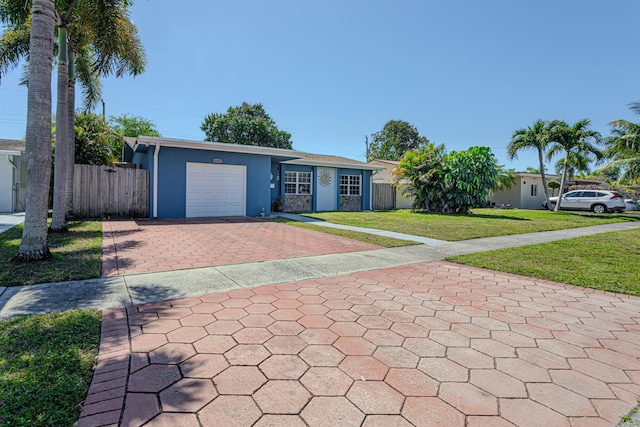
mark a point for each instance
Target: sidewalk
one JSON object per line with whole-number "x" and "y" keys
{"x": 135, "y": 289}
{"x": 10, "y": 219}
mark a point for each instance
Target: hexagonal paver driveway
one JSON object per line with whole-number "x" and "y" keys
{"x": 423, "y": 345}
{"x": 146, "y": 246}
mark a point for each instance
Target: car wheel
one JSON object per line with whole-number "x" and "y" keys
{"x": 598, "y": 208}
{"x": 553, "y": 207}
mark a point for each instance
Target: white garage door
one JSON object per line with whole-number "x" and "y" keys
{"x": 216, "y": 190}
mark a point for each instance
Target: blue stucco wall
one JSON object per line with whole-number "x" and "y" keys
{"x": 172, "y": 179}
{"x": 365, "y": 182}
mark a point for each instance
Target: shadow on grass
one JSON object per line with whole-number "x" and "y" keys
{"x": 76, "y": 254}
{"x": 46, "y": 369}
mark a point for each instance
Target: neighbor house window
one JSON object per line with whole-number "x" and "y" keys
{"x": 349, "y": 185}
{"x": 297, "y": 183}
{"x": 534, "y": 190}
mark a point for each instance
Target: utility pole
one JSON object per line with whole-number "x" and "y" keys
{"x": 366, "y": 143}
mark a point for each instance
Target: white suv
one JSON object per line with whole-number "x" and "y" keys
{"x": 598, "y": 201}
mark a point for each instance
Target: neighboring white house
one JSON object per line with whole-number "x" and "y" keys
{"x": 525, "y": 193}
{"x": 385, "y": 176}
{"x": 12, "y": 175}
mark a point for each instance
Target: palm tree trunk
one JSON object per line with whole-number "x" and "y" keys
{"x": 71, "y": 149}
{"x": 544, "y": 178}
{"x": 38, "y": 135}
{"x": 58, "y": 223}
{"x": 564, "y": 178}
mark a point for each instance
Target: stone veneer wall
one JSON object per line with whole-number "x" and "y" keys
{"x": 350, "y": 203}
{"x": 294, "y": 203}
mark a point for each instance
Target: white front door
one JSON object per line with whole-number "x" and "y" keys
{"x": 215, "y": 190}
{"x": 326, "y": 189}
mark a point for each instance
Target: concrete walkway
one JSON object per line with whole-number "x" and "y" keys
{"x": 9, "y": 219}
{"x": 140, "y": 288}
{"x": 320, "y": 223}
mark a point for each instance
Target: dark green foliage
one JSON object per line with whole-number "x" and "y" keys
{"x": 96, "y": 142}
{"x": 246, "y": 125}
{"x": 394, "y": 140}
{"x": 133, "y": 126}
{"x": 623, "y": 149}
{"x": 448, "y": 183}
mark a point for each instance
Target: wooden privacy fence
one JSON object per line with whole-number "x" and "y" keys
{"x": 100, "y": 191}
{"x": 384, "y": 197}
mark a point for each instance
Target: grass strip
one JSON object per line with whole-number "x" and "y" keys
{"x": 387, "y": 242}
{"x": 481, "y": 223}
{"x": 76, "y": 254}
{"x": 46, "y": 366}
{"x": 607, "y": 261}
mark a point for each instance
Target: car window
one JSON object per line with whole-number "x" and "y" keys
{"x": 601, "y": 194}
{"x": 574, "y": 194}
{"x": 588, "y": 194}
{"x": 617, "y": 194}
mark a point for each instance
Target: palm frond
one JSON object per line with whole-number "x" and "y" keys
{"x": 14, "y": 46}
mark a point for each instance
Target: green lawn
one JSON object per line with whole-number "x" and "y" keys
{"x": 46, "y": 366}
{"x": 76, "y": 254}
{"x": 481, "y": 223}
{"x": 387, "y": 242}
{"x": 606, "y": 261}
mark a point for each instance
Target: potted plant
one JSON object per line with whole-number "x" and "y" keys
{"x": 278, "y": 204}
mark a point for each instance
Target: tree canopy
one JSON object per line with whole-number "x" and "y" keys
{"x": 247, "y": 124}
{"x": 623, "y": 148}
{"x": 572, "y": 140}
{"x": 394, "y": 140}
{"x": 96, "y": 143}
{"x": 535, "y": 137}
{"x": 133, "y": 126}
{"x": 454, "y": 182}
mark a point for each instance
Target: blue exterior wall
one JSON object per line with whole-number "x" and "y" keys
{"x": 365, "y": 186}
{"x": 172, "y": 178}
{"x": 275, "y": 180}
{"x": 298, "y": 168}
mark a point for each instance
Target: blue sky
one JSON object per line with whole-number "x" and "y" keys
{"x": 463, "y": 72}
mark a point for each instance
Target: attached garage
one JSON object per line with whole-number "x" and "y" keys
{"x": 216, "y": 190}
{"x": 190, "y": 179}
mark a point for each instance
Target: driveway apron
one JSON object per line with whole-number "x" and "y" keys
{"x": 425, "y": 344}
{"x": 144, "y": 246}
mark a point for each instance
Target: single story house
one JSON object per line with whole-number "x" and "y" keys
{"x": 12, "y": 175}
{"x": 525, "y": 193}
{"x": 203, "y": 179}
{"x": 385, "y": 176}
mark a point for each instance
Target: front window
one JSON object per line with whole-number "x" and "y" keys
{"x": 349, "y": 185}
{"x": 297, "y": 183}
{"x": 534, "y": 190}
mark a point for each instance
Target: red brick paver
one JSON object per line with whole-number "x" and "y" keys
{"x": 422, "y": 345}
{"x": 147, "y": 246}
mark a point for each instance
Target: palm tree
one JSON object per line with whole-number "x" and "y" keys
{"x": 535, "y": 137}
{"x": 38, "y": 137}
{"x": 577, "y": 163}
{"x": 573, "y": 140}
{"x": 94, "y": 39}
{"x": 58, "y": 223}
{"x": 105, "y": 26}
{"x": 623, "y": 147}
